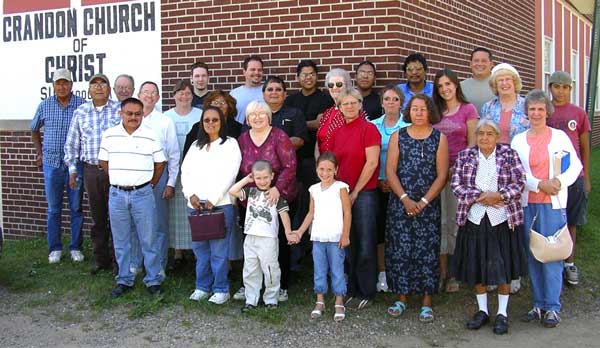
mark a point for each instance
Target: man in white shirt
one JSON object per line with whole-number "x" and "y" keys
{"x": 165, "y": 188}
{"x": 132, "y": 156}
{"x": 251, "y": 90}
{"x": 477, "y": 89}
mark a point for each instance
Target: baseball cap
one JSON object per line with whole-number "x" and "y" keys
{"x": 560, "y": 78}
{"x": 62, "y": 74}
{"x": 100, "y": 76}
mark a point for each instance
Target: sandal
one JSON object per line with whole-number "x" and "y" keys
{"x": 426, "y": 315}
{"x": 452, "y": 285}
{"x": 397, "y": 309}
{"x": 316, "y": 313}
{"x": 337, "y": 317}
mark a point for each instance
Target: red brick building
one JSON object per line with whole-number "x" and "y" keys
{"x": 334, "y": 33}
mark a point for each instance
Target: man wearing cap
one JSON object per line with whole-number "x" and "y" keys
{"x": 574, "y": 121}
{"x": 54, "y": 114}
{"x": 132, "y": 156}
{"x": 89, "y": 121}
{"x": 477, "y": 88}
{"x": 124, "y": 87}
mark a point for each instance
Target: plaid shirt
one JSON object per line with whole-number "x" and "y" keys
{"x": 85, "y": 132}
{"x": 511, "y": 181}
{"x": 56, "y": 120}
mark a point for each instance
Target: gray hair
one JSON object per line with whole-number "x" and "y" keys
{"x": 258, "y": 106}
{"x": 339, "y": 72}
{"x": 261, "y": 165}
{"x": 126, "y": 76}
{"x": 487, "y": 122}
{"x": 351, "y": 92}
{"x": 539, "y": 96}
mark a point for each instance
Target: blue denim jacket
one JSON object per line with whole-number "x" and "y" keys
{"x": 519, "y": 121}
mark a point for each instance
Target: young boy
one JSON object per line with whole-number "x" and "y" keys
{"x": 261, "y": 246}
{"x": 573, "y": 121}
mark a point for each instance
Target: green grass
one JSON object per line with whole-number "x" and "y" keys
{"x": 24, "y": 269}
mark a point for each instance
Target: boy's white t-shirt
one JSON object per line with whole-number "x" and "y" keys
{"x": 262, "y": 219}
{"x": 328, "y": 221}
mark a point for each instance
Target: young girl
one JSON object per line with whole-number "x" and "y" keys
{"x": 330, "y": 215}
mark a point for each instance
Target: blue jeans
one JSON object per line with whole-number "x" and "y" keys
{"x": 362, "y": 253}
{"x": 212, "y": 257}
{"x": 329, "y": 258}
{"x": 131, "y": 209}
{"x": 55, "y": 180}
{"x": 162, "y": 233}
{"x": 546, "y": 278}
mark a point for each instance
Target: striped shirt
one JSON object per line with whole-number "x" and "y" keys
{"x": 85, "y": 132}
{"x": 130, "y": 157}
{"x": 56, "y": 120}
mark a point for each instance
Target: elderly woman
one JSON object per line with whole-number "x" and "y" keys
{"x": 506, "y": 108}
{"x": 392, "y": 100}
{"x": 208, "y": 189}
{"x": 416, "y": 169}
{"x": 265, "y": 142}
{"x": 487, "y": 180}
{"x": 337, "y": 81}
{"x": 458, "y": 125}
{"x": 226, "y": 103}
{"x": 184, "y": 116}
{"x": 356, "y": 145}
{"x": 544, "y": 200}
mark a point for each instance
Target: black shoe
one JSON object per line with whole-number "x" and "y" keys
{"x": 155, "y": 290}
{"x": 97, "y": 267}
{"x": 120, "y": 290}
{"x": 535, "y": 314}
{"x": 479, "y": 319}
{"x": 271, "y": 306}
{"x": 500, "y": 325}
{"x": 248, "y": 307}
{"x": 176, "y": 266}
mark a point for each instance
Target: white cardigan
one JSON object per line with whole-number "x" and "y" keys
{"x": 558, "y": 142}
{"x": 209, "y": 174}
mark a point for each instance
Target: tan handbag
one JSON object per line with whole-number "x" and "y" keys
{"x": 556, "y": 247}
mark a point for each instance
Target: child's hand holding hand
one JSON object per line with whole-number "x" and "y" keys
{"x": 292, "y": 237}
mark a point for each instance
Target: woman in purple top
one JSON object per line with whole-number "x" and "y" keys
{"x": 459, "y": 119}
{"x": 264, "y": 142}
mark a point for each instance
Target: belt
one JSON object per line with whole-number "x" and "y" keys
{"x": 94, "y": 166}
{"x": 131, "y": 188}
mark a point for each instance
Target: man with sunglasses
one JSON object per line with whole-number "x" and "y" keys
{"x": 415, "y": 70}
{"x": 164, "y": 128}
{"x": 89, "y": 122}
{"x": 252, "y": 67}
{"x": 365, "y": 80}
{"x": 132, "y": 156}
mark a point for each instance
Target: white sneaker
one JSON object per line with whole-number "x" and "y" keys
{"x": 382, "y": 285}
{"x": 55, "y": 256}
{"x": 240, "y": 295}
{"x": 283, "y": 295}
{"x": 198, "y": 295}
{"x": 76, "y": 256}
{"x": 219, "y": 297}
{"x": 515, "y": 286}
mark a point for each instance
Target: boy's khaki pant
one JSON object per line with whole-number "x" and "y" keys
{"x": 260, "y": 258}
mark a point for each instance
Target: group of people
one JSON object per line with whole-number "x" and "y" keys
{"x": 411, "y": 190}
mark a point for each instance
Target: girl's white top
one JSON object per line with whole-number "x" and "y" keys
{"x": 328, "y": 221}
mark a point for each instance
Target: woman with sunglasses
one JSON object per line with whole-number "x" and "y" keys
{"x": 208, "y": 189}
{"x": 459, "y": 119}
{"x": 184, "y": 116}
{"x": 337, "y": 81}
{"x": 227, "y": 105}
{"x": 392, "y": 100}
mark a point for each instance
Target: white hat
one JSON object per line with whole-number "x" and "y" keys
{"x": 505, "y": 66}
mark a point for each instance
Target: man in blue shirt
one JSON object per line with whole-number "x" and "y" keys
{"x": 54, "y": 114}
{"x": 415, "y": 70}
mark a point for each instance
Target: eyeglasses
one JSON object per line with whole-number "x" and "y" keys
{"x": 149, "y": 93}
{"x": 274, "y": 89}
{"x": 395, "y": 99}
{"x": 257, "y": 115}
{"x": 337, "y": 84}
{"x": 124, "y": 88}
{"x": 131, "y": 113}
{"x": 414, "y": 68}
{"x": 98, "y": 85}
{"x": 365, "y": 73}
{"x": 210, "y": 120}
{"x": 217, "y": 103}
{"x": 352, "y": 103}
{"x": 307, "y": 75}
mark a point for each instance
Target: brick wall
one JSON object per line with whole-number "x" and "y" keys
{"x": 335, "y": 33}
